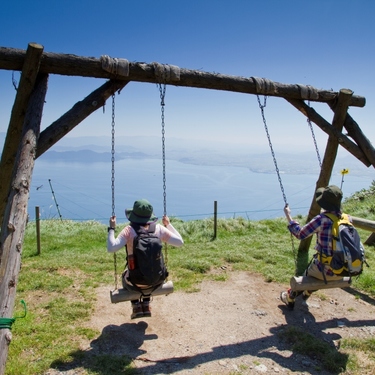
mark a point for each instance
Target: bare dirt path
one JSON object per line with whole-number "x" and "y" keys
{"x": 226, "y": 328}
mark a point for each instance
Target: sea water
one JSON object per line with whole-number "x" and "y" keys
{"x": 83, "y": 191}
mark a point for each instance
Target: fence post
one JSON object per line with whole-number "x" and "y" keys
{"x": 37, "y": 221}
{"x": 215, "y": 219}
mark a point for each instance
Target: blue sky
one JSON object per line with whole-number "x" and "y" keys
{"x": 328, "y": 44}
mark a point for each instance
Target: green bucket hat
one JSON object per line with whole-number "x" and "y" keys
{"x": 141, "y": 213}
{"x": 329, "y": 198}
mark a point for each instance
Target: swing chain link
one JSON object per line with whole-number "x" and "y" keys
{"x": 262, "y": 106}
{"x": 113, "y": 179}
{"x": 314, "y": 139}
{"x": 162, "y": 89}
{"x": 113, "y": 155}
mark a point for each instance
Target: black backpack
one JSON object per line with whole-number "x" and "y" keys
{"x": 149, "y": 267}
{"x": 348, "y": 252}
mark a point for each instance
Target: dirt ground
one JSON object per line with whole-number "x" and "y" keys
{"x": 225, "y": 328}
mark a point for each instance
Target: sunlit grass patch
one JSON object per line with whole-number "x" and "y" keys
{"x": 321, "y": 351}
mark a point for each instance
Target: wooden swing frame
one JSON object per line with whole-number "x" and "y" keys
{"x": 25, "y": 141}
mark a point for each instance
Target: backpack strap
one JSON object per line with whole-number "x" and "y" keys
{"x": 152, "y": 227}
{"x": 335, "y": 237}
{"x": 335, "y": 226}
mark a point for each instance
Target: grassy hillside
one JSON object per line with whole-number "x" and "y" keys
{"x": 59, "y": 284}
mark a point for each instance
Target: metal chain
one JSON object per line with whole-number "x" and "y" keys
{"x": 15, "y": 84}
{"x": 113, "y": 179}
{"x": 113, "y": 155}
{"x": 162, "y": 88}
{"x": 314, "y": 139}
{"x": 262, "y": 106}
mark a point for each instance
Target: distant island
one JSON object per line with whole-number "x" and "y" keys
{"x": 96, "y": 149}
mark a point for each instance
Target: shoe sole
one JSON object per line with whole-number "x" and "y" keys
{"x": 287, "y": 304}
{"x": 137, "y": 316}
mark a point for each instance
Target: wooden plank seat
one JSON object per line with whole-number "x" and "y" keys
{"x": 300, "y": 283}
{"x": 121, "y": 295}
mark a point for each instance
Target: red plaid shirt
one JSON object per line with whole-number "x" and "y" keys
{"x": 322, "y": 226}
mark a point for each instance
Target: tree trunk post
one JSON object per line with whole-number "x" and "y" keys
{"x": 15, "y": 214}
{"x": 28, "y": 77}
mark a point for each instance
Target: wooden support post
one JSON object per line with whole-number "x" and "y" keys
{"x": 298, "y": 284}
{"x": 327, "y": 165}
{"x": 37, "y": 225}
{"x": 371, "y": 239}
{"x": 30, "y": 70}
{"x": 76, "y": 115}
{"x": 122, "y": 295}
{"x": 15, "y": 214}
{"x": 355, "y": 132}
{"x": 215, "y": 220}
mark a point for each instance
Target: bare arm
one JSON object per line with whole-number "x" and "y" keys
{"x": 287, "y": 213}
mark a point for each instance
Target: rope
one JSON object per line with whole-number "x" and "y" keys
{"x": 118, "y": 67}
{"x": 6, "y": 323}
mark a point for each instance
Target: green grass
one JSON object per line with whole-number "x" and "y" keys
{"x": 59, "y": 284}
{"x": 304, "y": 343}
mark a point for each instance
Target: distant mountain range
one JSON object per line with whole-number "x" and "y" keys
{"x": 95, "y": 149}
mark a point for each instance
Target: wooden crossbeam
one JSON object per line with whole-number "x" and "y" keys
{"x": 302, "y": 283}
{"x": 72, "y": 65}
{"x": 121, "y": 295}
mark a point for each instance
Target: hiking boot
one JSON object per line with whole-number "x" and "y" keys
{"x": 146, "y": 308}
{"x": 284, "y": 296}
{"x": 137, "y": 311}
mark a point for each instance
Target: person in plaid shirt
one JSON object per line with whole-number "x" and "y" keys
{"x": 329, "y": 199}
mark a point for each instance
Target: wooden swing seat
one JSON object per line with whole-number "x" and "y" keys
{"x": 300, "y": 283}
{"x": 121, "y": 295}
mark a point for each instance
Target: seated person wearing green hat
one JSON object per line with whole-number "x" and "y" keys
{"x": 329, "y": 199}
{"x": 140, "y": 216}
